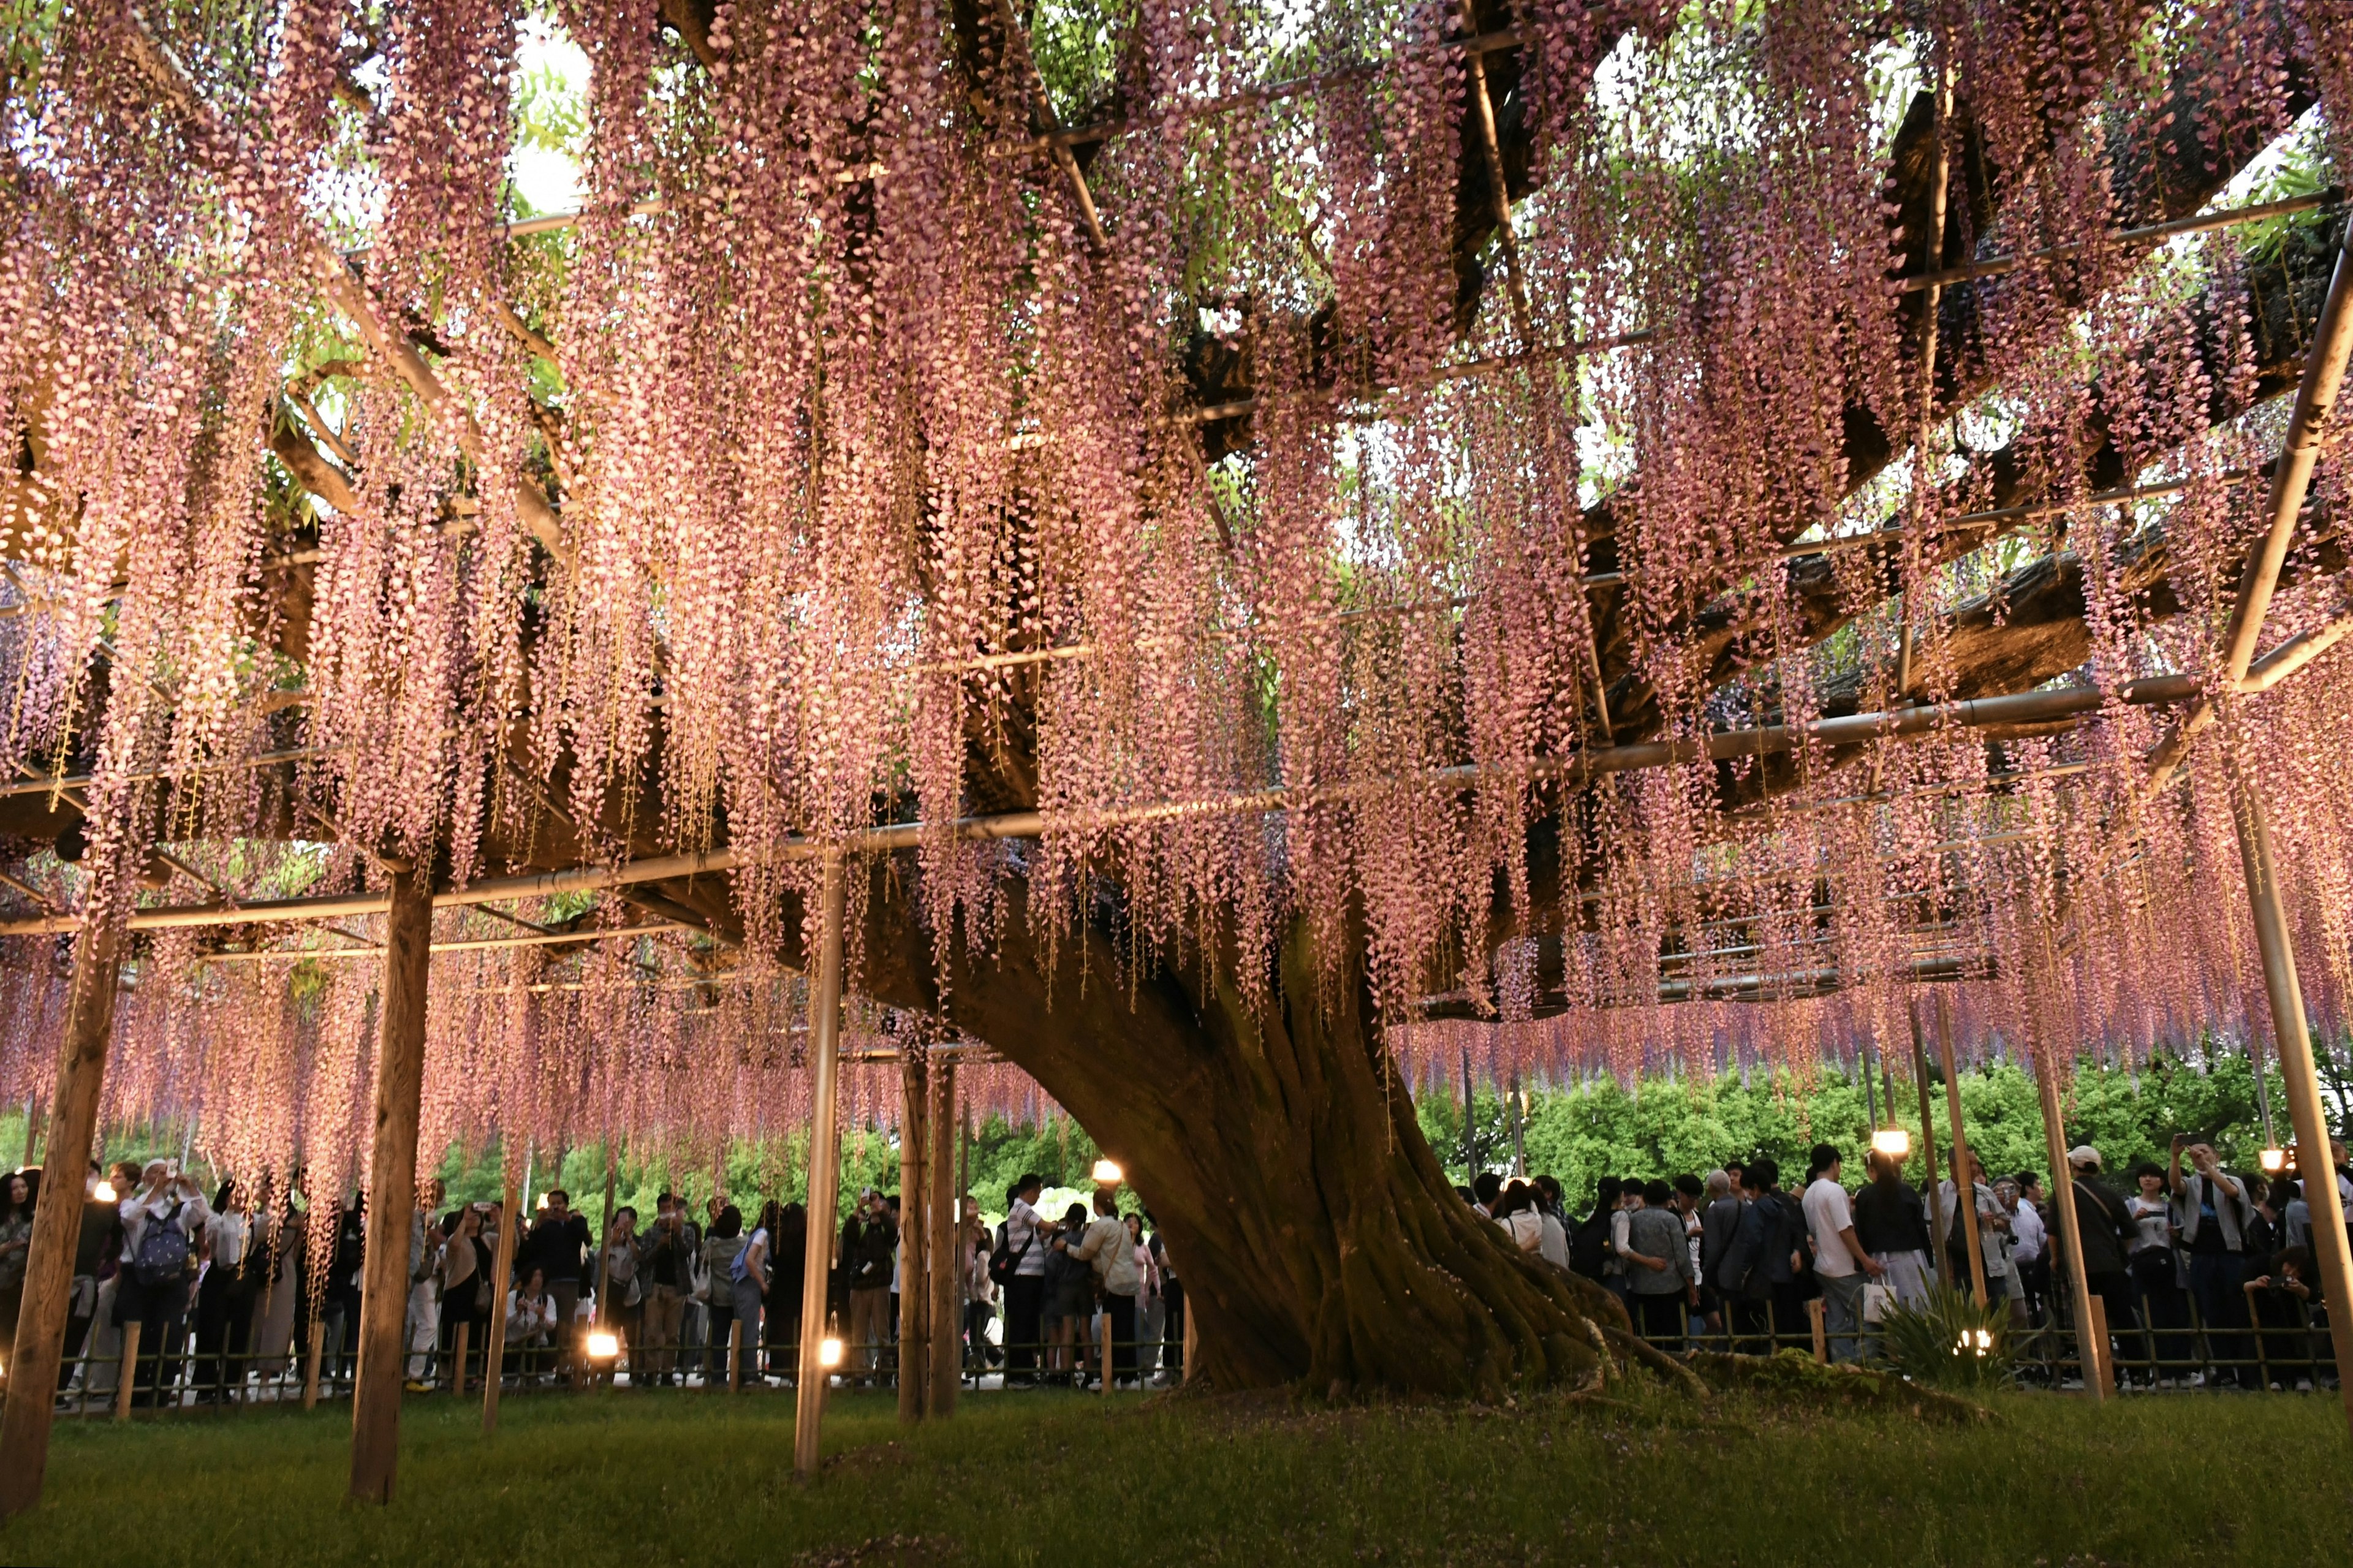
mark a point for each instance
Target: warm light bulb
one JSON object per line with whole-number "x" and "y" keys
{"x": 829, "y": 1352}
{"x": 1893, "y": 1142}
{"x": 104, "y": 1192}
{"x": 2274, "y": 1161}
{"x": 604, "y": 1346}
{"x": 1107, "y": 1173}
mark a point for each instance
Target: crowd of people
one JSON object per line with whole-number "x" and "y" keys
{"x": 2189, "y": 1259}
{"x": 231, "y": 1284}
{"x": 2195, "y": 1252}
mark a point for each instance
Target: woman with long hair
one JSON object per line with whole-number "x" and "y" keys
{"x": 22, "y": 1191}
{"x": 788, "y": 1256}
{"x": 466, "y": 1266}
{"x": 718, "y": 1249}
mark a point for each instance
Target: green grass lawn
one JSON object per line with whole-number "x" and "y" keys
{"x": 661, "y": 1478}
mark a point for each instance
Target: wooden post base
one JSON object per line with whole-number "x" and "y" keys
{"x": 128, "y": 1375}
{"x": 312, "y": 1351}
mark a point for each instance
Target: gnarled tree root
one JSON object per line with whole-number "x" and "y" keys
{"x": 1659, "y": 1362}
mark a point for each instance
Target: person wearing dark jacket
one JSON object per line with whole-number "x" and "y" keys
{"x": 2107, "y": 1230}
{"x": 869, "y": 1246}
{"x": 1719, "y": 1220}
{"x": 1892, "y": 1225}
{"x": 1760, "y": 1269}
{"x": 787, "y": 1260}
{"x": 1588, "y": 1244}
{"x": 559, "y": 1243}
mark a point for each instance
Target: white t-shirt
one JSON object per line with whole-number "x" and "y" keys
{"x": 1827, "y": 1214}
{"x": 1554, "y": 1248}
{"x": 1021, "y": 1236}
{"x": 2027, "y": 1225}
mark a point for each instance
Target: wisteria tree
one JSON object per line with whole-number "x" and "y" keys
{"x": 1397, "y": 492}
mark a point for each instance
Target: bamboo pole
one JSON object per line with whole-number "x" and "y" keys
{"x": 40, "y": 1346}
{"x": 2091, "y": 1346}
{"x": 1965, "y": 1192}
{"x": 605, "y": 1244}
{"x": 943, "y": 1377}
{"x": 2324, "y": 375}
{"x": 392, "y": 1187}
{"x": 734, "y": 1354}
{"x": 2101, "y": 1350}
{"x": 316, "y": 1345}
{"x": 1574, "y": 769}
{"x": 494, "y": 1345}
{"x": 125, "y": 1379}
{"x": 458, "y": 1360}
{"x": 1470, "y": 1137}
{"x": 825, "y": 1168}
{"x": 914, "y": 1233}
{"x": 1927, "y": 1140}
{"x": 2284, "y": 993}
{"x": 1191, "y": 1339}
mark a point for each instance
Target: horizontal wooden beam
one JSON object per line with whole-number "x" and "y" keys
{"x": 2056, "y": 704}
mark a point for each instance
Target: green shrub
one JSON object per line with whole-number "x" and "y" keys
{"x": 1951, "y": 1342}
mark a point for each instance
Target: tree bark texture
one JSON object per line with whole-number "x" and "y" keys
{"x": 392, "y": 1189}
{"x": 39, "y": 1348}
{"x": 1323, "y": 1245}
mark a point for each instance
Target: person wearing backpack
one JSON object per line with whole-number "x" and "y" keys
{"x": 159, "y": 1224}
{"x": 1018, "y": 1267}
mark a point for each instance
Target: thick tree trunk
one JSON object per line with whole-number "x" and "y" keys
{"x": 40, "y": 1347}
{"x": 1319, "y": 1238}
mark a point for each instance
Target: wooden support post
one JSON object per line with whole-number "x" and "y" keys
{"x": 1820, "y": 1327}
{"x": 824, "y": 1167}
{"x": 1102, "y": 1353}
{"x": 458, "y": 1359}
{"x": 1927, "y": 1141}
{"x": 734, "y": 1354}
{"x": 392, "y": 1187}
{"x": 314, "y": 1350}
{"x": 1470, "y": 1139}
{"x": 915, "y": 1197}
{"x": 2071, "y": 1225}
{"x": 2093, "y": 1355}
{"x": 1191, "y": 1339}
{"x": 128, "y": 1377}
{"x": 605, "y": 1243}
{"x": 1964, "y": 1190}
{"x": 57, "y": 1222}
{"x": 944, "y": 1375}
{"x": 2286, "y": 993}
{"x": 494, "y": 1348}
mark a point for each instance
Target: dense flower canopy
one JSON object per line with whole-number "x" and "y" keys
{"x": 1158, "y": 418}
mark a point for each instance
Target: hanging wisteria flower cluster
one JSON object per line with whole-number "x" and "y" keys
{"x": 1167, "y": 425}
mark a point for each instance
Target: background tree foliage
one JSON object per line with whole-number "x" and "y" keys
{"x": 1665, "y": 1129}
{"x": 1661, "y": 1127}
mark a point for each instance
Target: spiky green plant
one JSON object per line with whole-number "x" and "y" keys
{"x": 1950, "y": 1342}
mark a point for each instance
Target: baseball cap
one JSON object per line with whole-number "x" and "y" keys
{"x": 2084, "y": 1155}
